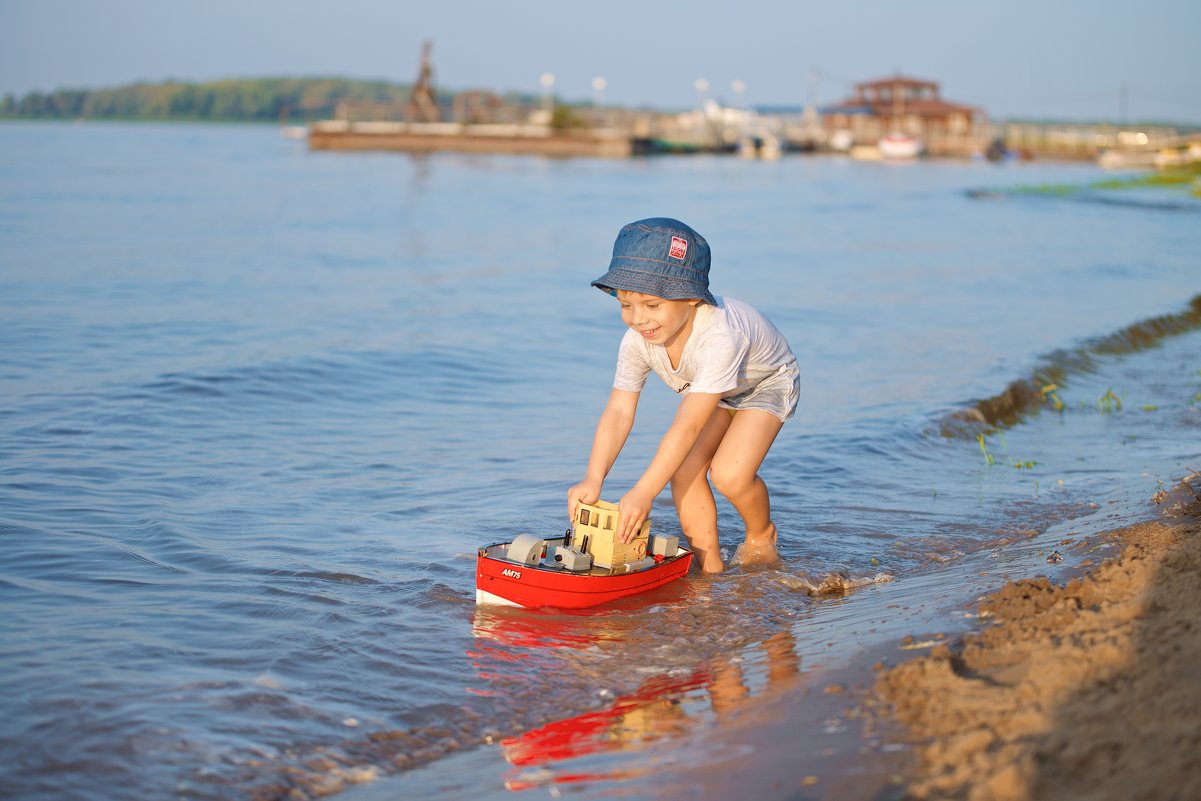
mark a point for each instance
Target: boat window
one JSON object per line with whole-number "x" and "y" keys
{"x": 583, "y": 517}
{"x": 609, "y": 522}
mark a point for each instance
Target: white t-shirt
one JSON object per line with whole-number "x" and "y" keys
{"x": 733, "y": 351}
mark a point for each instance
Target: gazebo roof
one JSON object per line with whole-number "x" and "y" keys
{"x": 870, "y": 99}
{"x": 897, "y": 80}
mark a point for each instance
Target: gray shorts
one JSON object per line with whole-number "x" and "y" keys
{"x": 778, "y": 394}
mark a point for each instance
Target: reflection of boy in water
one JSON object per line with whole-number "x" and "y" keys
{"x": 736, "y": 374}
{"x": 727, "y": 688}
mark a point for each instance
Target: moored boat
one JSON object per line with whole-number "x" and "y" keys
{"x": 899, "y": 146}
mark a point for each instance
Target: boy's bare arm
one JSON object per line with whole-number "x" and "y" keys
{"x": 693, "y": 413}
{"x": 611, "y": 432}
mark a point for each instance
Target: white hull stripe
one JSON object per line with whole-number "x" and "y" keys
{"x": 485, "y": 597}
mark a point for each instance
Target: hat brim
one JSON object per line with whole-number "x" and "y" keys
{"x": 661, "y": 286}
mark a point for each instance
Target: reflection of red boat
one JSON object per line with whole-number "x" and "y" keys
{"x": 653, "y": 711}
{"x": 539, "y": 581}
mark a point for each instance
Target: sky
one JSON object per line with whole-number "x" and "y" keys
{"x": 1062, "y": 59}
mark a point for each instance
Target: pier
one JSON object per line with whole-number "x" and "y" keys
{"x": 1113, "y": 146}
{"x": 483, "y": 123}
{"x": 891, "y": 118}
{"x": 425, "y": 137}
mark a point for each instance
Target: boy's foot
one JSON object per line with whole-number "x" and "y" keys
{"x": 758, "y": 550}
{"x": 710, "y": 560}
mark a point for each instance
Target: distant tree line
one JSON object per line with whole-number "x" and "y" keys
{"x": 236, "y": 99}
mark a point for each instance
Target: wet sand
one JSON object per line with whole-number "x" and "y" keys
{"x": 1090, "y": 690}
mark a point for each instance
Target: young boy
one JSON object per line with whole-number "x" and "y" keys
{"x": 736, "y": 374}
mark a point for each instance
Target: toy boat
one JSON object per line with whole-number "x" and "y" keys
{"x": 586, "y": 566}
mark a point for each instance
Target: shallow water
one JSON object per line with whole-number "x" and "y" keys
{"x": 260, "y": 405}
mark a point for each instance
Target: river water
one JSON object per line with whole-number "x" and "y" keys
{"x": 260, "y": 405}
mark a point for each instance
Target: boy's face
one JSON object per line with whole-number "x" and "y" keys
{"x": 659, "y": 321}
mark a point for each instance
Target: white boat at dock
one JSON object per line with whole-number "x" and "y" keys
{"x": 760, "y": 145}
{"x": 899, "y": 146}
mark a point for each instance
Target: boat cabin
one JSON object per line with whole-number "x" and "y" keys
{"x": 594, "y": 531}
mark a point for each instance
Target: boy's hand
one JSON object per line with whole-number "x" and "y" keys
{"x": 587, "y": 491}
{"x": 635, "y": 508}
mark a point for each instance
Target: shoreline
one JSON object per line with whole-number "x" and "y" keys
{"x": 1087, "y": 690}
{"x": 1073, "y": 688}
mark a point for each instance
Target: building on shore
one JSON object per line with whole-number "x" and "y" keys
{"x": 909, "y": 107}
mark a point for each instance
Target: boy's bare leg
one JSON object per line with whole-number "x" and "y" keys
{"x": 734, "y": 471}
{"x": 693, "y": 497}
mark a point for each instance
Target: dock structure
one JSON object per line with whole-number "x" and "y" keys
{"x": 1128, "y": 147}
{"x": 413, "y": 137}
{"x": 1113, "y": 146}
{"x": 479, "y": 121}
{"x": 894, "y": 117}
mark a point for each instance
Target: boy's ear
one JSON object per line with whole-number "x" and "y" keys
{"x": 693, "y": 302}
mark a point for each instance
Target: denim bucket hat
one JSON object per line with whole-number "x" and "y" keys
{"x": 661, "y": 257}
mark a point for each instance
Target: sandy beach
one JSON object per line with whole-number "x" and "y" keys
{"x": 1089, "y": 690}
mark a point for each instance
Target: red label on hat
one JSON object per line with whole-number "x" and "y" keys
{"x": 679, "y": 248}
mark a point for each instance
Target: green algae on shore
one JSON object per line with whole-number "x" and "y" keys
{"x": 1186, "y": 178}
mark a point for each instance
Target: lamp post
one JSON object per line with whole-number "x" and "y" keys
{"x": 548, "y": 84}
{"x": 739, "y": 88}
{"x": 702, "y": 87}
{"x": 598, "y": 100}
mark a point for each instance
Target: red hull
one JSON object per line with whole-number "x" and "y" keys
{"x": 502, "y": 581}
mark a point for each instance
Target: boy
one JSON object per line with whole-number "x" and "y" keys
{"x": 737, "y": 376}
